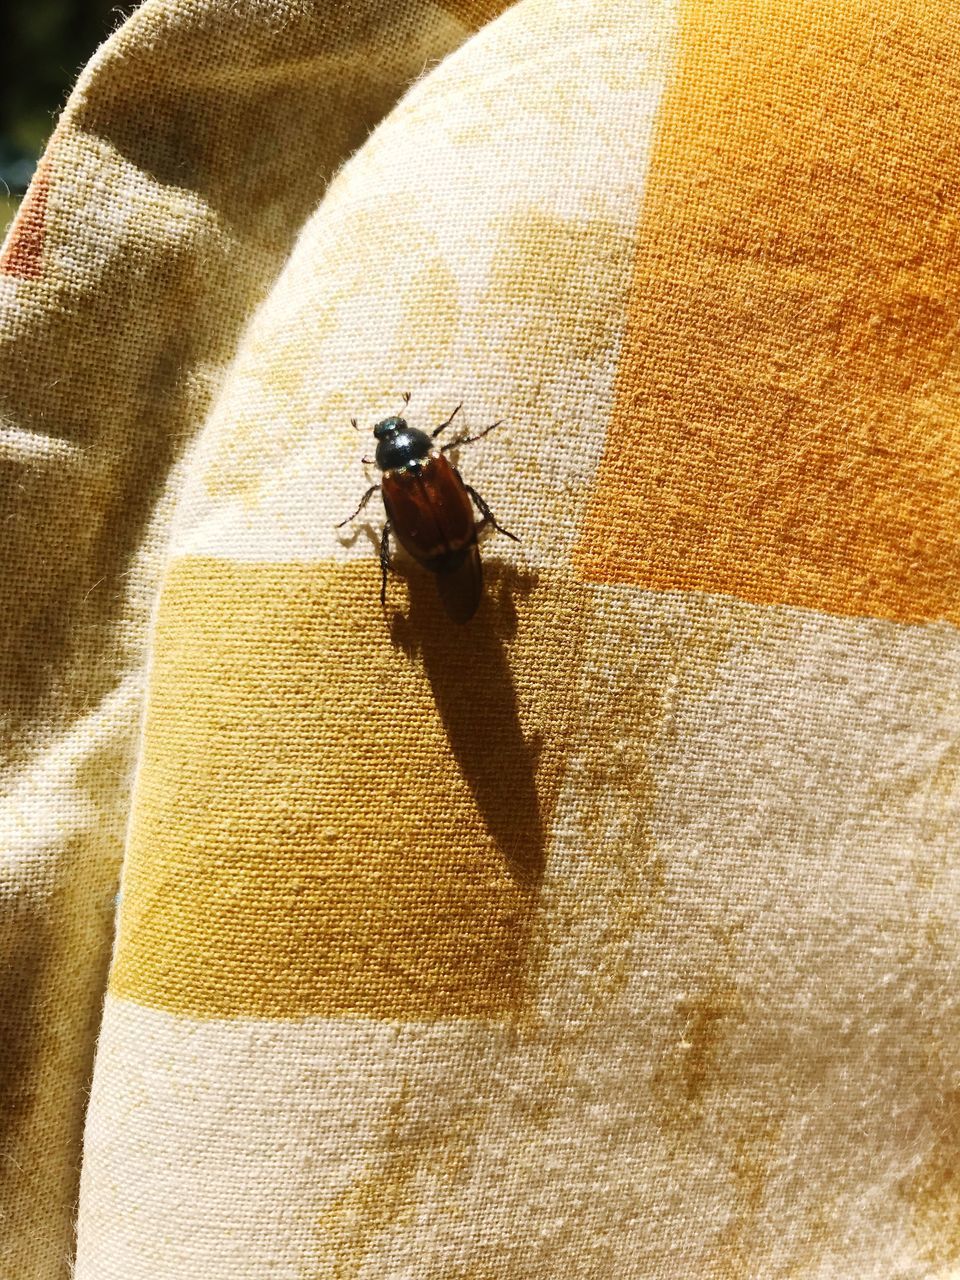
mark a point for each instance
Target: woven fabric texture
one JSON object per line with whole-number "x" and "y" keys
{"x": 610, "y": 935}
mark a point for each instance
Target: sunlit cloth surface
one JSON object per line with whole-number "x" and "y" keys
{"x": 614, "y": 934}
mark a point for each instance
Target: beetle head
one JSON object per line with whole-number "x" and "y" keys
{"x": 389, "y": 427}
{"x": 400, "y": 445}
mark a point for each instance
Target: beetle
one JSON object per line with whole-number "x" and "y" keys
{"x": 428, "y": 506}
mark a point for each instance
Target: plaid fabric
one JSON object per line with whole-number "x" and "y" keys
{"x": 613, "y": 933}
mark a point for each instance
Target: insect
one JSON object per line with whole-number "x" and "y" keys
{"x": 428, "y": 506}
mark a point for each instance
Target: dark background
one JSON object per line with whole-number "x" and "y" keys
{"x": 44, "y": 45}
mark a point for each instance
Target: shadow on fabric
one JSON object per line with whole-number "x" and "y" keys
{"x": 469, "y": 671}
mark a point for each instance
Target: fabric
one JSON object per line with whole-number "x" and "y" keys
{"x": 613, "y": 933}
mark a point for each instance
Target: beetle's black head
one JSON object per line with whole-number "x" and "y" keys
{"x": 400, "y": 445}
{"x": 389, "y": 427}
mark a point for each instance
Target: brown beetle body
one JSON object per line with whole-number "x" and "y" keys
{"x": 430, "y": 510}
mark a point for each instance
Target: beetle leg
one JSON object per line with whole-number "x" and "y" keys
{"x": 462, "y": 440}
{"x": 374, "y": 488}
{"x": 488, "y": 516}
{"x": 443, "y": 425}
{"x": 384, "y": 562}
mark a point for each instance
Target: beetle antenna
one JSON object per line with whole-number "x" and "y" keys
{"x": 353, "y": 423}
{"x": 406, "y": 397}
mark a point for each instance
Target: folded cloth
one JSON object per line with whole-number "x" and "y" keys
{"x": 609, "y": 934}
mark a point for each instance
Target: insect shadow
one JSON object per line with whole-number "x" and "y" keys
{"x": 475, "y": 694}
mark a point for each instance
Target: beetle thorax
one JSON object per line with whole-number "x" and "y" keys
{"x": 400, "y": 445}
